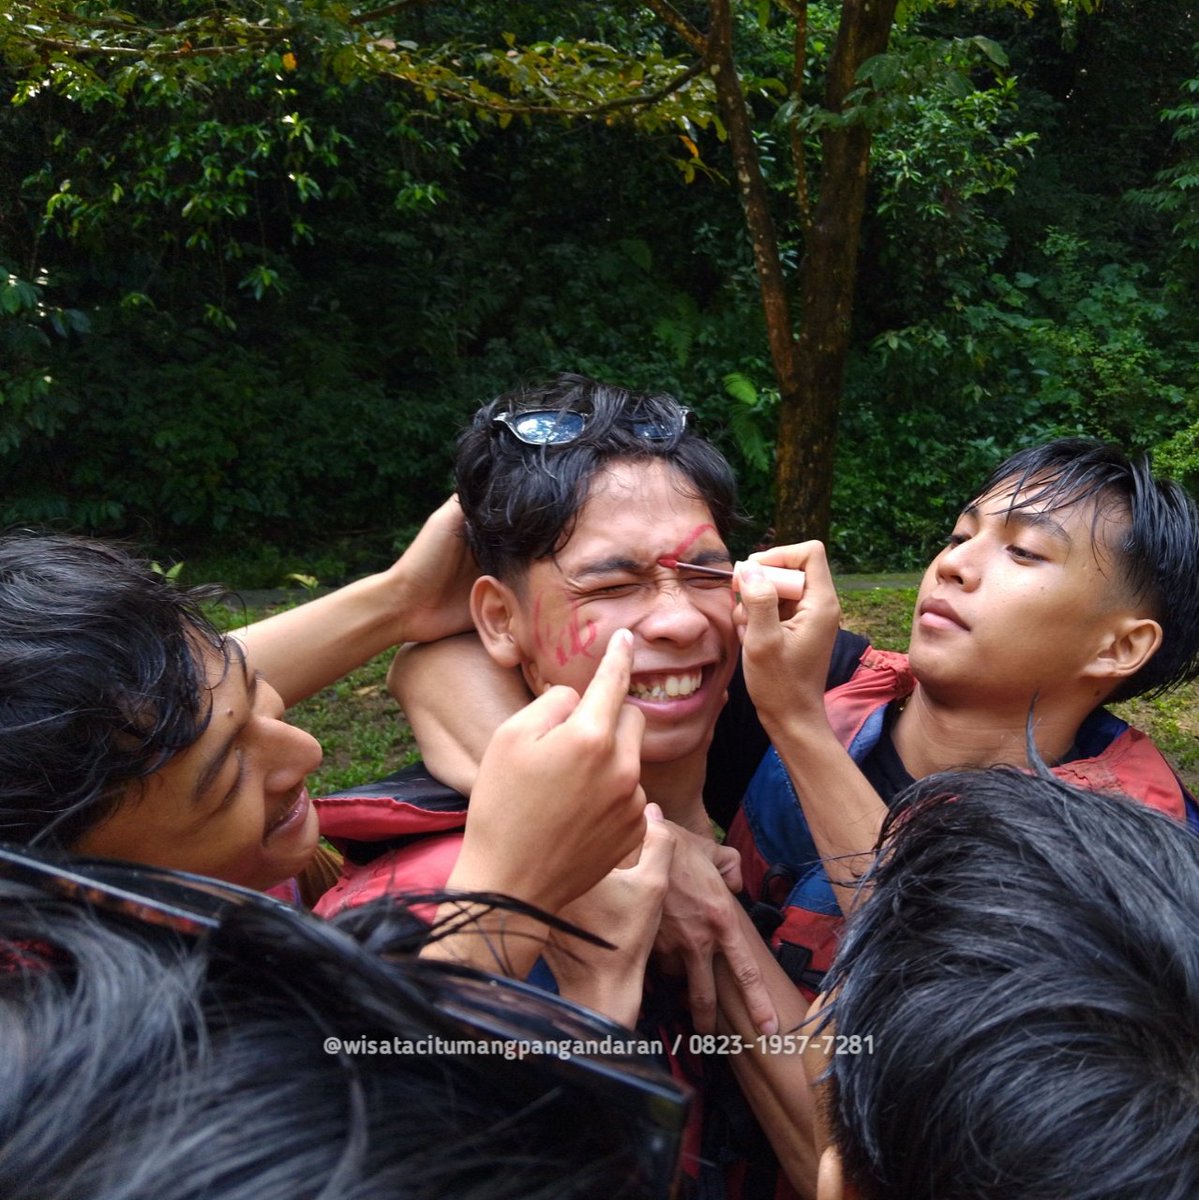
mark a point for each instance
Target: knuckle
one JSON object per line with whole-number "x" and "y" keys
{"x": 747, "y": 974}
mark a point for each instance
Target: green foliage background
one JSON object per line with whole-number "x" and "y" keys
{"x": 242, "y": 318}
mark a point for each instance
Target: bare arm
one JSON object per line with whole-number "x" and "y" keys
{"x": 424, "y": 595}
{"x": 455, "y": 697}
{"x": 770, "y": 1070}
{"x": 786, "y": 647}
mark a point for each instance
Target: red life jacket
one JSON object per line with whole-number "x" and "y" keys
{"x": 790, "y": 896}
{"x": 399, "y": 834}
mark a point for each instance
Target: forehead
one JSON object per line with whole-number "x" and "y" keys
{"x": 646, "y": 505}
{"x": 1097, "y": 519}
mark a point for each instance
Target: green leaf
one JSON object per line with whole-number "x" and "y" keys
{"x": 740, "y": 388}
{"x": 993, "y": 50}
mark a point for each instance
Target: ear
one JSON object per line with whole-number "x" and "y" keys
{"x": 1133, "y": 641}
{"x": 830, "y": 1179}
{"x": 495, "y": 611}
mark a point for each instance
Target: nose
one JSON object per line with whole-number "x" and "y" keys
{"x": 958, "y": 563}
{"x": 673, "y": 616}
{"x": 292, "y": 754}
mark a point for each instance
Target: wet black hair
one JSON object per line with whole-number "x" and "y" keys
{"x": 1026, "y": 971}
{"x": 1156, "y": 554}
{"x": 102, "y": 681}
{"x": 282, "y": 1057}
{"x": 521, "y": 501}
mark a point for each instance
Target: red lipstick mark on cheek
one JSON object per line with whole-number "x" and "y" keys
{"x": 680, "y": 551}
{"x": 565, "y": 642}
{"x": 574, "y": 640}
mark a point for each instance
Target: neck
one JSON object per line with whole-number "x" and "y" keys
{"x": 677, "y": 787}
{"x": 931, "y": 735}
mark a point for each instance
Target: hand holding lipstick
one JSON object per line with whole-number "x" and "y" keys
{"x": 789, "y": 583}
{"x": 786, "y": 644}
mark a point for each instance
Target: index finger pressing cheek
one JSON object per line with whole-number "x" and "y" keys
{"x": 609, "y": 686}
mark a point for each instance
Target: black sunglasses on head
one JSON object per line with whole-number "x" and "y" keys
{"x": 559, "y": 427}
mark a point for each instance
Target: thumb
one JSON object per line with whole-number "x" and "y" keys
{"x": 758, "y": 598}
{"x": 657, "y": 848}
{"x": 727, "y": 861}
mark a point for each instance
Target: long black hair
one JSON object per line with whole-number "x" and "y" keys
{"x": 102, "y": 681}
{"x": 280, "y": 1057}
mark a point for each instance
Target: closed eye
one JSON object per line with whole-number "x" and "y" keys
{"x": 232, "y": 794}
{"x": 1024, "y": 554}
{"x": 611, "y": 589}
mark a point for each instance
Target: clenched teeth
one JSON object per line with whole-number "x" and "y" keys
{"x": 666, "y": 687}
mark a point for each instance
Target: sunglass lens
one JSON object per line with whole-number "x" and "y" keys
{"x": 658, "y": 431}
{"x": 548, "y": 428}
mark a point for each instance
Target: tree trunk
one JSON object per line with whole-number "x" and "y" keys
{"x": 752, "y": 189}
{"x": 808, "y": 410}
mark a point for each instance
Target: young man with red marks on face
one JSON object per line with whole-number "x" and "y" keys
{"x": 574, "y": 494}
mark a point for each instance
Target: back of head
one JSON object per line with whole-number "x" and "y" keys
{"x": 520, "y": 498}
{"x": 1157, "y": 554}
{"x": 281, "y": 1057}
{"x": 100, "y": 681}
{"x": 1026, "y": 973}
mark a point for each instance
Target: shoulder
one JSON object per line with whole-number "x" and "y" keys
{"x": 1115, "y": 757}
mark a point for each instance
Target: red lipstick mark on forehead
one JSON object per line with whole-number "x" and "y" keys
{"x": 680, "y": 551}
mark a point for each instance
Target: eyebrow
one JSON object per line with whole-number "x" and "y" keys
{"x": 1024, "y": 519}
{"x": 610, "y": 566}
{"x": 618, "y": 563}
{"x": 216, "y": 761}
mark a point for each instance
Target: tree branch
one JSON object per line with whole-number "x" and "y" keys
{"x": 377, "y": 14}
{"x": 673, "y": 19}
{"x": 499, "y": 105}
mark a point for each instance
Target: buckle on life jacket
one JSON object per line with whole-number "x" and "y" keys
{"x": 796, "y": 961}
{"x": 767, "y": 915}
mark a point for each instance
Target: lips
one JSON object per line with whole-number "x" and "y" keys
{"x": 294, "y": 811}
{"x": 939, "y": 614}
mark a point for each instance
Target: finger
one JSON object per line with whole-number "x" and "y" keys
{"x": 748, "y": 977}
{"x": 540, "y": 715}
{"x": 795, "y": 557}
{"x": 728, "y": 863}
{"x": 657, "y": 848}
{"x": 809, "y": 557}
{"x": 759, "y": 599}
{"x": 630, "y": 729}
{"x": 701, "y": 989}
{"x": 609, "y": 687}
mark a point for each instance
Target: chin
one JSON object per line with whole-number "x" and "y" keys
{"x": 670, "y": 747}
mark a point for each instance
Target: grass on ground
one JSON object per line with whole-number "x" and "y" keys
{"x": 365, "y": 735}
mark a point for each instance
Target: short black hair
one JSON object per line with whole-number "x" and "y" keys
{"x": 1026, "y": 971}
{"x": 521, "y": 501}
{"x": 1157, "y": 556}
{"x": 101, "y": 681}
{"x": 250, "y": 1064}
